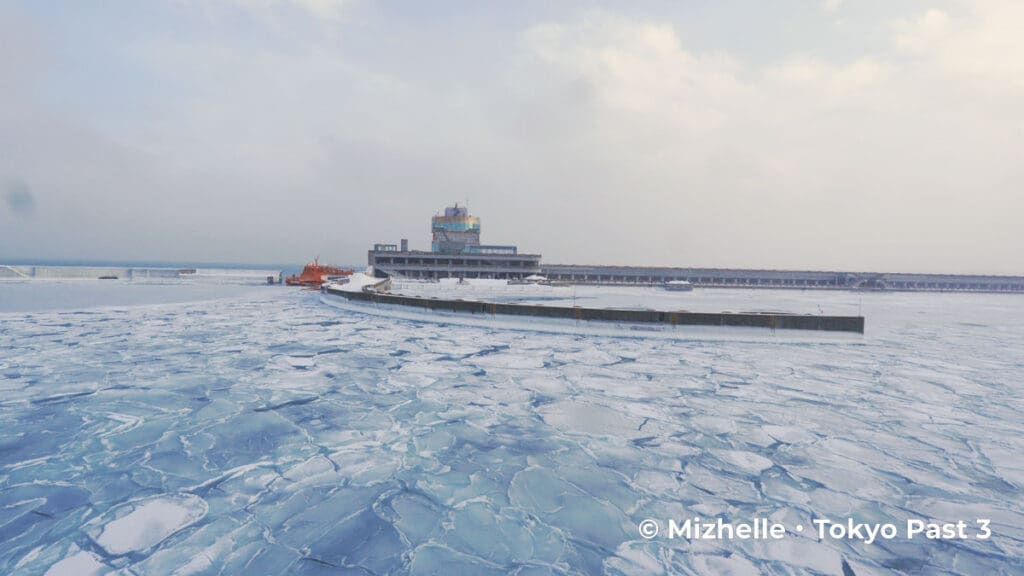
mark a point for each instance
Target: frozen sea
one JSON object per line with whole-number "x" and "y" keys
{"x": 186, "y": 428}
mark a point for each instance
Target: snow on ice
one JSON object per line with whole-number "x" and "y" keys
{"x": 260, "y": 431}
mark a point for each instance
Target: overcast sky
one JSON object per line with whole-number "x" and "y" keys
{"x": 855, "y": 135}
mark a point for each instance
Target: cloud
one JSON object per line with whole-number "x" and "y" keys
{"x": 586, "y": 136}
{"x": 269, "y": 11}
{"x": 324, "y": 8}
{"x": 924, "y": 33}
{"x": 636, "y": 67}
{"x": 831, "y": 6}
{"x": 985, "y": 43}
{"x": 802, "y": 160}
{"x": 827, "y": 78}
{"x": 19, "y": 198}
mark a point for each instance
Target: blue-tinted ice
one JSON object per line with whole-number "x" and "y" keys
{"x": 267, "y": 433}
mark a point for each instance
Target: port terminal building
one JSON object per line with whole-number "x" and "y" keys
{"x": 456, "y": 252}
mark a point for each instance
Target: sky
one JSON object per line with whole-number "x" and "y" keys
{"x": 862, "y": 135}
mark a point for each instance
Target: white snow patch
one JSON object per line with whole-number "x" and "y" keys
{"x": 733, "y": 565}
{"x": 80, "y": 563}
{"x": 150, "y": 522}
{"x": 746, "y": 461}
{"x": 589, "y": 419}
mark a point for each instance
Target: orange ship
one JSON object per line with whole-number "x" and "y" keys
{"x": 315, "y": 274}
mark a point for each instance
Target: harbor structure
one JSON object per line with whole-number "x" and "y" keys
{"x": 631, "y": 321}
{"x": 785, "y": 279}
{"x": 456, "y": 252}
{"x": 21, "y": 272}
{"x": 455, "y": 231}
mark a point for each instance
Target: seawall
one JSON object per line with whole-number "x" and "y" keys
{"x": 770, "y": 321}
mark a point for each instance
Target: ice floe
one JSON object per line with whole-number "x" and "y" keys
{"x": 263, "y": 432}
{"x": 140, "y": 525}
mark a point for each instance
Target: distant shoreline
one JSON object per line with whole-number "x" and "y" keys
{"x": 145, "y": 264}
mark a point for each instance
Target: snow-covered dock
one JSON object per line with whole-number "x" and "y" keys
{"x": 375, "y": 296}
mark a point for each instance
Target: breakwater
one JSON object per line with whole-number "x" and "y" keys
{"x": 652, "y": 318}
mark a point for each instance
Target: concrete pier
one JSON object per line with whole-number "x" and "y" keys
{"x": 771, "y": 321}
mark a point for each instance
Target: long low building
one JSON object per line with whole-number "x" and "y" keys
{"x": 456, "y": 252}
{"x": 737, "y": 278}
{"x": 433, "y": 265}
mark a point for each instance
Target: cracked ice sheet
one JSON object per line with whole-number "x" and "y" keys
{"x": 148, "y": 523}
{"x": 283, "y": 436}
